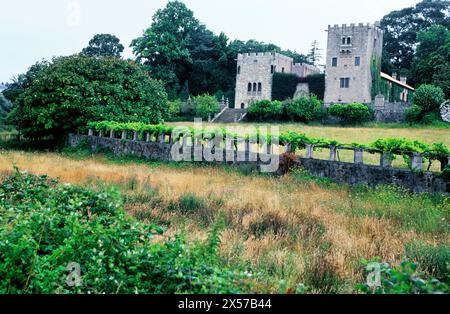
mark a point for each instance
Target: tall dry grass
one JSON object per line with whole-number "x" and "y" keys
{"x": 292, "y": 231}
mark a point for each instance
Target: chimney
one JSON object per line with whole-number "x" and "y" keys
{"x": 394, "y": 75}
{"x": 403, "y": 79}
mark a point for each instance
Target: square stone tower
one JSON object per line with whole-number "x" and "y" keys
{"x": 254, "y": 76}
{"x": 353, "y": 53}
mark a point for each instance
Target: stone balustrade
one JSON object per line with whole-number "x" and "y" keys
{"x": 234, "y": 147}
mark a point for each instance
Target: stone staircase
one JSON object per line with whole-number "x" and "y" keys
{"x": 231, "y": 116}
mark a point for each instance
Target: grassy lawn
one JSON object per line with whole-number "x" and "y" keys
{"x": 290, "y": 230}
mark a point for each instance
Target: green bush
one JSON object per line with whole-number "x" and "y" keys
{"x": 175, "y": 108}
{"x": 413, "y": 114}
{"x": 45, "y": 226}
{"x": 205, "y": 106}
{"x": 265, "y": 110}
{"x": 303, "y": 109}
{"x": 404, "y": 279}
{"x": 428, "y": 97}
{"x": 352, "y": 113}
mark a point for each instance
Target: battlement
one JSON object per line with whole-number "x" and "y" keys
{"x": 264, "y": 55}
{"x": 355, "y": 27}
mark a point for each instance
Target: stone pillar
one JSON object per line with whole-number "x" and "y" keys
{"x": 147, "y": 137}
{"x": 359, "y": 156}
{"x": 229, "y": 149}
{"x": 111, "y": 134}
{"x": 309, "y": 151}
{"x": 333, "y": 153}
{"x": 102, "y": 133}
{"x": 417, "y": 162}
{"x": 135, "y": 136}
{"x": 247, "y": 146}
{"x": 162, "y": 138}
{"x": 386, "y": 159}
{"x": 91, "y": 132}
{"x": 269, "y": 148}
{"x": 124, "y": 135}
{"x": 252, "y": 155}
{"x": 288, "y": 148}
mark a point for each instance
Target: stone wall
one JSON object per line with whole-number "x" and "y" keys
{"x": 350, "y": 173}
{"x": 389, "y": 111}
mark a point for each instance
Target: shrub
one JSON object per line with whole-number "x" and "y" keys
{"x": 265, "y": 110}
{"x": 352, "y": 113}
{"x": 205, "y": 106}
{"x": 303, "y": 109}
{"x": 413, "y": 114}
{"x": 175, "y": 108}
{"x": 428, "y": 97}
{"x": 45, "y": 226}
{"x": 404, "y": 279}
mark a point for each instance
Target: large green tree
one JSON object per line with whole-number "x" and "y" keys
{"x": 163, "y": 47}
{"x": 431, "y": 64}
{"x": 401, "y": 29}
{"x": 188, "y": 57}
{"x": 69, "y": 92}
{"x": 103, "y": 45}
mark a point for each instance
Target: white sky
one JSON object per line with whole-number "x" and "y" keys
{"x": 32, "y": 30}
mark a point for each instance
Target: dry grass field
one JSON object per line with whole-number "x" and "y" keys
{"x": 292, "y": 229}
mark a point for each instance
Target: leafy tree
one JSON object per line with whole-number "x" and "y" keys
{"x": 104, "y": 45}
{"x": 71, "y": 91}
{"x": 432, "y": 60}
{"x": 351, "y": 113}
{"x": 314, "y": 53}
{"x": 401, "y": 29}
{"x": 206, "y": 106}
{"x": 316, "y": 84}
{"x": 163, "y": 47}
{"x": 284, "y": 85}
{"x": 5, "y": 107}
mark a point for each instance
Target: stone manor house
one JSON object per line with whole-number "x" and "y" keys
{"x": 352, "y": 72}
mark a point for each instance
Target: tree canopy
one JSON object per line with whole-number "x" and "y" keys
{"x": 189, "y": 58}
{"x": 103, "y": 45}
{"x": 67, "y": 93}
{"x": 401, "y": 29}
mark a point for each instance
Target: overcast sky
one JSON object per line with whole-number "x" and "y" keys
{"x": 32, "y": 30}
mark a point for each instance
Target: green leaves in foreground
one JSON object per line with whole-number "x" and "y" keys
{"x": 405, "y": 279}
{"x": 45, "y": 227}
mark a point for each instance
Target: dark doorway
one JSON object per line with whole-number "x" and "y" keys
{"x": 242, "y": 106}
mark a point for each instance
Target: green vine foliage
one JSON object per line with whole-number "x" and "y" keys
{"x": 45, "y": 226}
{"x": 297, "y": 141}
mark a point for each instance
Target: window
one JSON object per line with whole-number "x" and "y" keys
{"x": 357, "y": 61}
{"x": 343, "y": 40}
{"x": 345, "y": 82}
{"x": 239, "y": 70}
{"x": 259, "y": 87}
{"x": 282, "y": 70}
{"x": 272, "y": 69}
{"x": 254, "y": 87}
{"x": 334, "y": 62}
{"x": 249, "y": 87}
{"x": 349, "y": 40}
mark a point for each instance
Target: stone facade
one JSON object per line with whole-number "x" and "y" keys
{"x": 351, "y": 50}
{"x": 255, "y": 72}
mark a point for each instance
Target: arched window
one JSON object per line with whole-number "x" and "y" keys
{"x": 349, "y": 40}
{"x": 259, "y": 87}
{"x": 343, "y": 40}
{"x": 249, "y": 87}
{"x": 254, "y": 87}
